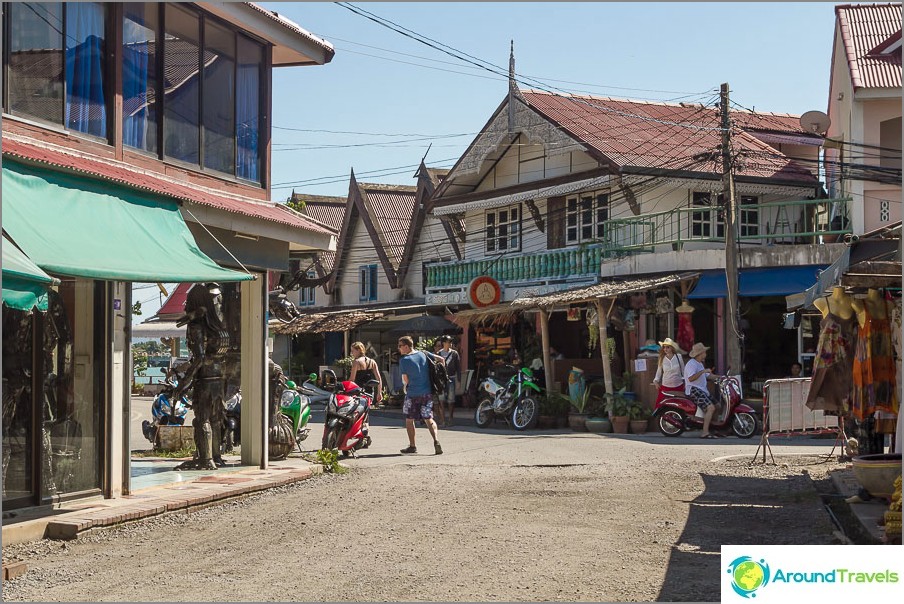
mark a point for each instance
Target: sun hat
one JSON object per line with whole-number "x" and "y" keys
{"x": 697, "y": 349}
{"x": 671, "y": 342}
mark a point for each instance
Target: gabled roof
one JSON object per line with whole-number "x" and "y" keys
{"x": 390, "y": 209}
{"x": 666, "y": 136}
{"x": 869, "y": 34}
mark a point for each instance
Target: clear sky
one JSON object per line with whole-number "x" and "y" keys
{"x": 400, "y": 96}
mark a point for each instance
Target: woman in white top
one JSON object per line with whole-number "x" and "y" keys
{"x": 670, "y": 371}
{"x": 695, "y": 376}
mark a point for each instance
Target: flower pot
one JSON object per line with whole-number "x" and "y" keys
{"x": 620, "y": 424}
{"x": 639, "y": 426}
{"x": 600, "y": 425}
{"x": 577, "y": 421}
{"x": 562, "y": 421}
{"x": 877, "y": 473}
{"x": 546, "y": 422}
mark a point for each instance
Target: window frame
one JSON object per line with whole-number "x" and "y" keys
{"x": 512, "y": 228}
{"x": 749, "y": 218}
{"x": 367, "y": 283}
{"x": 579, "y": 218}
{"x": 307, "y": 296}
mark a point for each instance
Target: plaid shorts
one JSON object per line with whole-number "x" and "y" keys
{"x": 701, "y": 398}
{"x": 418, "y": 407}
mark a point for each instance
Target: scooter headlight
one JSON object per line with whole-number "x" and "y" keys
{"x": 287, "y": 398}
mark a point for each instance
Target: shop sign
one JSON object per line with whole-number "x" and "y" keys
{"x": 484, "y": 291}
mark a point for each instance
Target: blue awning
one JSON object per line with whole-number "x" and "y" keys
{"x": 775, "y": 281}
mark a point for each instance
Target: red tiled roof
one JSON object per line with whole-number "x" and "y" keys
{"x": 174, "y": 307}
{"x": 106, "y": 169}
{"x": 865, "y": 28}
{"x": 391, "y": 208}
{"x": 666, "y": 136}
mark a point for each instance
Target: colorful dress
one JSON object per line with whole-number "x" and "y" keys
{"x": 830, "y": 388}
{"x": 874, "y": 369}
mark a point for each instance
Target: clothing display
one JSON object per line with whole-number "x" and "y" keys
{"x": 830, "y": 388}
{"x": 873, "y": 371}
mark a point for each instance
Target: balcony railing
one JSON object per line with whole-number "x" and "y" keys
{"x": 785, "y": 222}
{"x": 555, "y": 264}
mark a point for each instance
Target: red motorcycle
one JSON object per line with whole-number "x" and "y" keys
{"x": 677, "y": 413}
{"x": 346, "y": 415}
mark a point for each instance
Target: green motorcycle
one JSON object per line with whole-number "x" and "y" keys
{"x": 514, "y": 401}
{"x": 293, "y": 417}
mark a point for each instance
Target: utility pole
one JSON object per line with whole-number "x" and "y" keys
{"x": 732, "y": 332}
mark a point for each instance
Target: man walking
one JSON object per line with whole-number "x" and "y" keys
{"x": 418, "y": 395}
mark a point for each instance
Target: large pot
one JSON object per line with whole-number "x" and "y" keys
{"x": 600, "y": 425}
{"x": 577, "y": 421}
{"x": 877, "y": 473}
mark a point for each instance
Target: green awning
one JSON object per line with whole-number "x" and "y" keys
{"x": 83, "y": 227}
{"x": 24, "y": 284}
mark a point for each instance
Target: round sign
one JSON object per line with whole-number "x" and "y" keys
{"x": 484, "y": 291}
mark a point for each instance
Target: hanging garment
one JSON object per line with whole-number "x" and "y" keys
{"x": 830, "y": 388}
{"x": 873, "y": 369}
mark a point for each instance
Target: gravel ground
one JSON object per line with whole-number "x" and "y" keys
{"x": 556, "y": 517}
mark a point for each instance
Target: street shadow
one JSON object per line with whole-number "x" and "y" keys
{"x": 729, "y": 512}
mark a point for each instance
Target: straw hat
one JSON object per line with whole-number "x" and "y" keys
{"x": 671, "y": 342}
{"x": 697, "y": 349}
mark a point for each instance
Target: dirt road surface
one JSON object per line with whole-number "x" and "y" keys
{"x": 555, "y": 516}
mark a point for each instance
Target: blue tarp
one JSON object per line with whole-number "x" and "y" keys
{"x": 775, "y": 281}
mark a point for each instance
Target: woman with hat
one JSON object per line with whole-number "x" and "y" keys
{"x": 670, "y": 371}
{"x": 695, "y": 376}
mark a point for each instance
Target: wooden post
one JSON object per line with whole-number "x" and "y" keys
{"x": 544, "y": 341}
{"x": 603, "y": 318}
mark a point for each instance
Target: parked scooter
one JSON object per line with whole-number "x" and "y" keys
{"x": 677, "y": 413}
{"x": 316, "y": 394}
{"x": 164, "y": 411}
{"x": 513, "y": 400}
{"x": 346, "y": 415}
{"x": 293, "y": 415}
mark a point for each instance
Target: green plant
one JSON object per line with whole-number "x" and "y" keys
{"x": 624, "y": 381}
{"x": 590, "y": 401}
{"x": 344, "y": 363}
{"x": 637, "y": 410}
{"x": 553, "y": 404}
{"x": 617, "y": 404}
{"x": 329, "y": 459}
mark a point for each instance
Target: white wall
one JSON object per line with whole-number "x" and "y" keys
{"x": 432, "y": 246}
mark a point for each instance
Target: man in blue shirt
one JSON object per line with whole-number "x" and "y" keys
{"x": 418, "y": 394}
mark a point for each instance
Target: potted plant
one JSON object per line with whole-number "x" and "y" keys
{"x": 344, "y": 365}
{"x": 617, "y": 408}
{"x": 625, "y": 383}
{"x": 640, "y": 417}
{"x": 597, "y": 420}
{"x": 549, "y": 410}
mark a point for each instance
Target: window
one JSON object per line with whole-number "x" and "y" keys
{"x": 702, "y": 222}
{"x": 219, "y": 109}
{"x": 140, "y": 100}
{"x": 248, "y": 104}
{"x": 56, "y": 65}
{"x": 586, "y": 216}
{"x": 181, "y": 85}
{"x": 307, "y": 295}
{"x": 367, "y": 283}
{"x": 503, "y": 229}
{"x": 749, "y": 218}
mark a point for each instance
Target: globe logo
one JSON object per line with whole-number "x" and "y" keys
{"x": 748, "y": 575}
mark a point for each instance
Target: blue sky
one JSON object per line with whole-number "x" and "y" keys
{"x": 775, "y": 56}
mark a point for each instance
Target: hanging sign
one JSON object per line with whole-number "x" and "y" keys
{"x": 484, "y": 291}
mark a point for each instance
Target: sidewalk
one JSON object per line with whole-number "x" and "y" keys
{"x": 188, "y": 490}
{"x": 868, "y": 513}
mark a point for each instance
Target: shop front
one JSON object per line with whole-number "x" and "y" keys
{"x": 66, "y": 363}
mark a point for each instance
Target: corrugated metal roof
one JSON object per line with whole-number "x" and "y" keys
{"x": 111, "y": 170}
{"x": 864, "y": 30}
{"x": 325, "y": 210}
{"x": 174, "y": 307}
{"x": 666, "y": 136}
{"x": 293, "y": 27}
{"x": 391, "y": 208}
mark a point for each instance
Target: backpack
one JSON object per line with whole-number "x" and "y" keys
{"x": 439, "y": 378}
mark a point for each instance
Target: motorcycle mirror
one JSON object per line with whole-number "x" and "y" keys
{"x": 290, "y": 384}
{"x": 312, "y": 377}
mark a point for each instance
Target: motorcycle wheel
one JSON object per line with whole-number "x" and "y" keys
{"x": 483, "y": 417}
{"x": 744, "y": 424}
{"x": 331, "y": 440}
{"x": 525, "y": 414}
{"x": 671, "y": 422}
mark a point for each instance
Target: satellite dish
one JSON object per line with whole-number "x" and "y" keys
{"x": 816, "y": 122}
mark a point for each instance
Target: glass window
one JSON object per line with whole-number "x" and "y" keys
{"x": 219, "y": 100}
{"x": 139, "y": 75}
{"x": 585, "y": 217}
{"x": 35, "y": 59}
{"x": 749, "y": 218}
{"x": 308, "y": 294}
{"x": 247, "y": 109}
{"x": 181, "y": 85}
{"x": 367, "y": 283}
{"x": 86, "y": 96}
{"x": 701, "y": 222}
{"x": 503, "y": 229}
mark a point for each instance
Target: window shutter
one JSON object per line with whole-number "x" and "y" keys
{"x": 555, "y": 220}
{"x": 373, "y": 281}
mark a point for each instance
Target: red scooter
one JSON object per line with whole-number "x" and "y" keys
{"x": 346, "y": 415}
{"x": 678, "y": 413}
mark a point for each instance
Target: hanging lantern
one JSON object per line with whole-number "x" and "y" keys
{"x": 685, "y": 335}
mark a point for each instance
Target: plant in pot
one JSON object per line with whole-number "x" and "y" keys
{"x": 640, "y": 417}
{"x": 597, "y": 419}
{"x": 549, "y": 410}
{"x": 625, "y": 383}
{"x": 617, "y": 408}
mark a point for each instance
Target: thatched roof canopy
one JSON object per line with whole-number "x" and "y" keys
{"x": 320, "y": 323}
{"x": 591, "y": 293}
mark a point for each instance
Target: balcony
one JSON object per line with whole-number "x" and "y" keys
{"x": 776, "y": 223}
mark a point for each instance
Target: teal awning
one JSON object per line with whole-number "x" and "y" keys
{"x": 24, "y": 284}
{"x": 83, "y": 227}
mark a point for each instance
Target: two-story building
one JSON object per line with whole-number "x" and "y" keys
{"x": 559, "y": 192}
{"x": 136, "y": 148}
